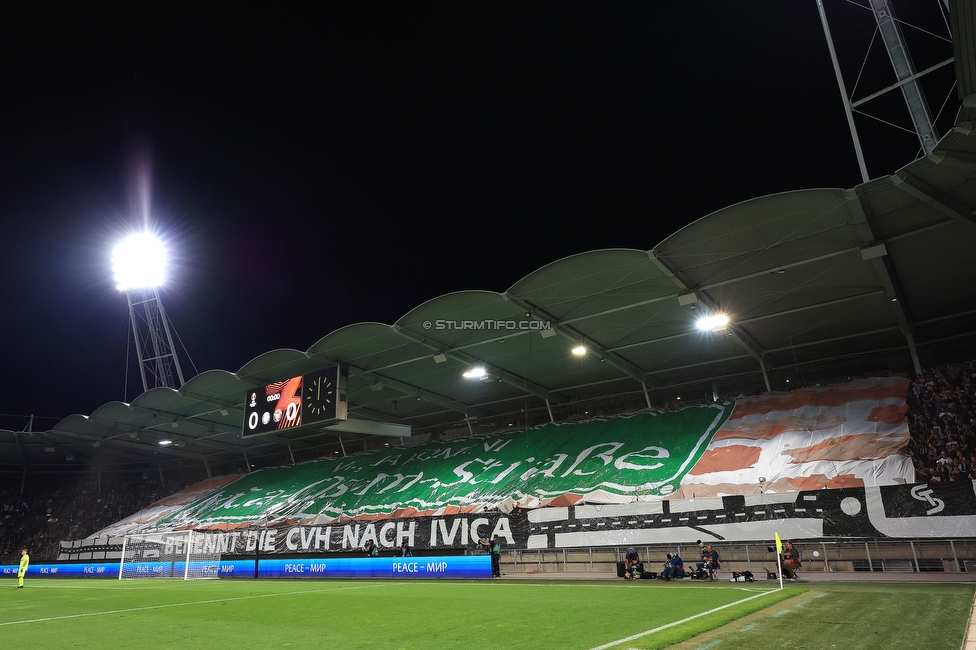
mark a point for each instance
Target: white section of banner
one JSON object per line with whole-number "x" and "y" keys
{"x": 543, "y": 515}
{"x": 851, "y": 435}
{"x": 712, "y": 533}
{"x": 633, "y": 509}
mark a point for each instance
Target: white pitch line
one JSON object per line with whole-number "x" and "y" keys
{"x": 684, "y": 620}
{"x": 192, "y": 602}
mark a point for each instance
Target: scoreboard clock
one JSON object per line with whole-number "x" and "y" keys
{"x": 311, "y": 398}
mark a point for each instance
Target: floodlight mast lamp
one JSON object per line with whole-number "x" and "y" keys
{"x": 150, "y": 324}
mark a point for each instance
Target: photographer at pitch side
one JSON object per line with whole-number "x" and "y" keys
{"x": 791, "y": 561}
{"x": 633, "y": 567}
{"x": 674, "y": 567}
{"x": 710, "y": 561}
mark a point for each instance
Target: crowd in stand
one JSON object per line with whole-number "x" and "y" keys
{"x": 45, "y": 514}
{"x": 942, "y": 421}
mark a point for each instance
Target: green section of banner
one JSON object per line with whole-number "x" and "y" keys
{"x": 607, "y": 460}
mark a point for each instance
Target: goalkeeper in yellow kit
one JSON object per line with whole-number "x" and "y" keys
{"x": 22, "y": 571}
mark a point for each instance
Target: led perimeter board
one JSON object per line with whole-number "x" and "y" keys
{"x": 313, "y": 398}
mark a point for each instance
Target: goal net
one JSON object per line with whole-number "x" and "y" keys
{"x": 186, "y": 554}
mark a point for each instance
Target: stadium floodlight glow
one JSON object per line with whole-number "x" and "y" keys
{"x": 712, "y": 323}
{"x": 579, "y": 350}
{"x": 478, "y": 372}
{"x": 165, "y": 441}
{"x": 139, "y": 262}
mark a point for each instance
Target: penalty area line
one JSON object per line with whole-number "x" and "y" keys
{"x": 684, "y": 620}
{"x": 192, "y": 602}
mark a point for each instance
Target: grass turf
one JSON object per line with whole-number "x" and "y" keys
{"x": 517, "y": 614}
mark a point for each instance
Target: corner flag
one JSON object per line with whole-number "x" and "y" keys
{"x": 779, "y": 558}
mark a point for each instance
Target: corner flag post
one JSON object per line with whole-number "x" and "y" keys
{"x": 779, "y": 559}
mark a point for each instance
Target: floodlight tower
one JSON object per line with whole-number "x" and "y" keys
{"x": 908, "y": 79}
{"x": 139, "y": 267}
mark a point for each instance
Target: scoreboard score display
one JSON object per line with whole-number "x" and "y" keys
{"x": 313, "y": 398}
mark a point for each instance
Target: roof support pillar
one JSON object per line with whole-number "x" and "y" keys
{"x": 911, "y": 350}
{"x": 548, "y": 408}
{"x": 647, "y": 396}
{"x": 206, "y": 466}
{"x": 762, "y": 366}
{"x": 877, "y": 255}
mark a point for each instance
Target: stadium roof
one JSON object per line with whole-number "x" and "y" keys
{"x": 818, "y": 284}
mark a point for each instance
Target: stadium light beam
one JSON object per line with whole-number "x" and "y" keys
{"x": 139, "y": 262}
{"x": 712, "y": 323}
{"x": 478, "y": 372}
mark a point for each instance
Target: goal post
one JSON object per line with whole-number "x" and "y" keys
{"x": 184, "y": 554}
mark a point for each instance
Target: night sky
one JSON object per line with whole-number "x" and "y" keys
{"x": 310, "y": 170}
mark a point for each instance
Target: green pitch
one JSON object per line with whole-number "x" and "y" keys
{"x": 510, "y": 614}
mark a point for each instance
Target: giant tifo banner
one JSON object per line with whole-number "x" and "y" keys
{"x": 852, "y": 435}
{"x": 613, "y": 460}
{"x": 654, "y": 471}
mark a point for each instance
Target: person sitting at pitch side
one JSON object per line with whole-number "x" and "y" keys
{"x": 633, "y": 567}
{"x": 791, "y": 561}
{"x": 674, "y": 567}
{"x": 710, "y": 561}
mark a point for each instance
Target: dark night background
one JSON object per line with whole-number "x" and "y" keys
{"x": 312, "y": 169}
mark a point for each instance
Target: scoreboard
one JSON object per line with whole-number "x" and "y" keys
{"x": 313, "y": 398}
